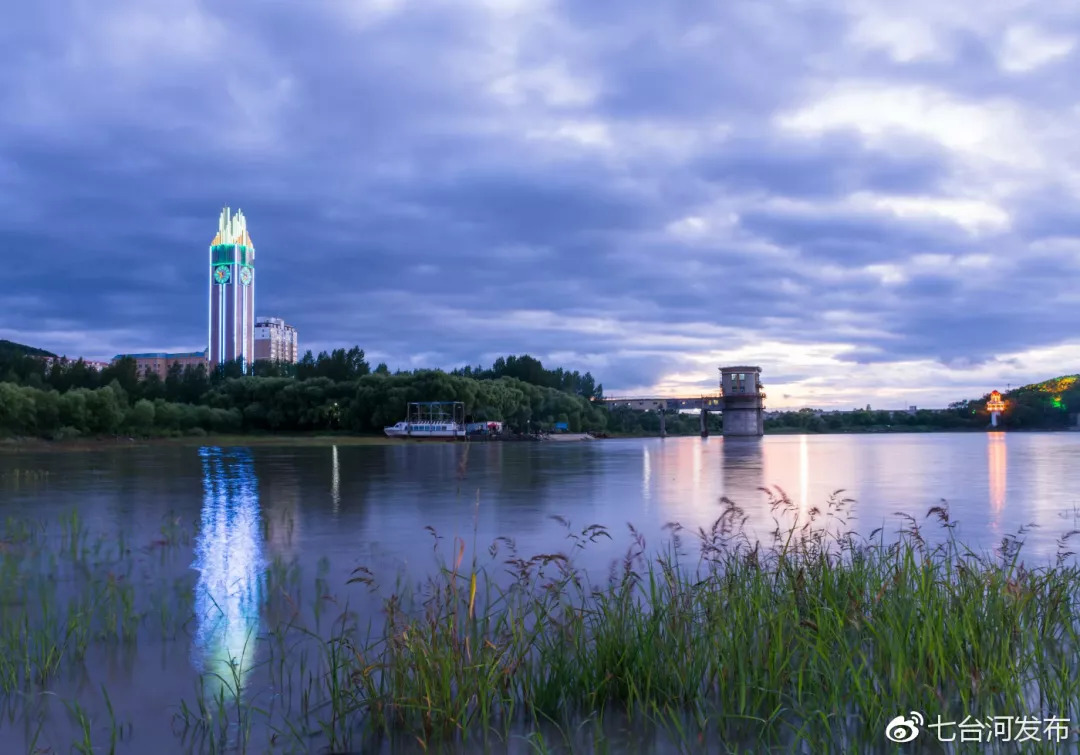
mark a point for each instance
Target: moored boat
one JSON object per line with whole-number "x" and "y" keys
{"x": 438, "y": 429}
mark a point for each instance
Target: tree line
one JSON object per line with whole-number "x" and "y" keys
{"x": 863, "y": 420}
{"x": 530, "y": 370}
{"x": 1041, "y": 406}
{"x": 338, "y": 390}
{"x": 335, "y": 390}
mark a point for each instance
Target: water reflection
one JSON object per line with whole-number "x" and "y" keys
{"x": 646, "y": 474}
{"x": 698, "y": 451}
{"x": 743, "y": 470}
{"x": 335, "y": 484}
{"x": 229, "y": 559}
{"x": 997, "y": 458}
{"x": 279, "y": 504}
{"x": 804, "y": 477}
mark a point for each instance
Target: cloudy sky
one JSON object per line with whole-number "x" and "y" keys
{"x": 876, "y": 202}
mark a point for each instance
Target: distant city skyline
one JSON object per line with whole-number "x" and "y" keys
{"x": 877, "y": 204}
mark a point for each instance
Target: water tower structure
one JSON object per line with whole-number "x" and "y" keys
{"x": 743, "y": 400}
{"x": 995, "y": 406}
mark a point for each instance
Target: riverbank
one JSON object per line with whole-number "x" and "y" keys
{"x": 261, "y": 439}
{"x": 857, "y": 431}
{"x": 802, "y": 431}
{"x": 815, "y": 641}
{"x": 266, "y": 439}
{"x": 873, "y": 429}
{"x": 291, "y": 440}
{"x": 325, "y": 440}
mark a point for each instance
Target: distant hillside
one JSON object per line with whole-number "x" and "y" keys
{"x": 1046, "y": 405}
{"x": 1058, "y": 385}
{"x": 10, "y": 349}
{"x": 1047, "y": 389}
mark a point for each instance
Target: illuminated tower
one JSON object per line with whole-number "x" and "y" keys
{"x": 232, "y": 291}
{"x": 995, "y": 406}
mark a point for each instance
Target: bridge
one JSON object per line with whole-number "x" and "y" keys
{"x": 667, "y": 403}
{"x": 740, "y": 398}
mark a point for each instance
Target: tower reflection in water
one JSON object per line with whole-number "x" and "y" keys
{"x": 744, "y": 476}
{"x": 229, "y": 559}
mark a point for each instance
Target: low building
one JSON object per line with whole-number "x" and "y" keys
{"x": 92, "y": 364}
{"x": 159, "y": 362}
{"x": 276, "y": 340}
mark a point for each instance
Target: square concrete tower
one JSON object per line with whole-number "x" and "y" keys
{"x": 744, "y": 401}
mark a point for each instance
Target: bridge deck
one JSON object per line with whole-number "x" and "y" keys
{"x": 665, "y": 402}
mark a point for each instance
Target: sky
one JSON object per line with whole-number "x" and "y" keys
{"x": 875, "y": 202}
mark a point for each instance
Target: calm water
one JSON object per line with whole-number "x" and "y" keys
{"x": 359, "y": 504}
{"x": 369, "y": 505}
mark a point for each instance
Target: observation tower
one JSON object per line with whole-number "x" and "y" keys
{"x": 995, "y": 406}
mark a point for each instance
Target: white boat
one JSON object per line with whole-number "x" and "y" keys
{"x": 420, "y": 430}
{"x": 568, "y": 437}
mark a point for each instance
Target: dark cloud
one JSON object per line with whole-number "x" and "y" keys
{"x": 428, "y": 180}
{"x": 855, "y": 238}
{"x": 538, "y": 208}
{"x": 824, "y": 168}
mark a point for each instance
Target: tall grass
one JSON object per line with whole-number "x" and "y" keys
{"x": 811, "y": 640}
{"x": 62, "y": 594}
{"x": 819, "y": 637}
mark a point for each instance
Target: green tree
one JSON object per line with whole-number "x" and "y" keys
{"x": 140, "y": 417}
{"x": 105, "y": 413}
{"x": 18, "y": 415}
{"x": 125, "y": 371}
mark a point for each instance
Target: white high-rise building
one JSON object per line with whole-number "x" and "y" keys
{"x": 275, "y": 340}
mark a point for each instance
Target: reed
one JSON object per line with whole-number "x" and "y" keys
{"x": 809, "y": 641}
{"x": 820, "y": 637}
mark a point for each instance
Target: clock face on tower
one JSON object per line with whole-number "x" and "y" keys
{"x": 222, "y": 274}
{"x": 246, "y": 275}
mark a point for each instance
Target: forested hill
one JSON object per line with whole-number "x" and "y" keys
{"x": 1051, "y": 403}
{"x": 1059, "y": 386}
{"x": 10, "y": 348}
{"x": 1048, "y": 405}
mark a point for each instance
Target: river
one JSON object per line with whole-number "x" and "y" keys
{"x": 334, "y": 508}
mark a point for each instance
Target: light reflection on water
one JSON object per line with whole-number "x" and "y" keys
{"x": 994, "y": 483}
{"x": 646, "y": 475}
{"x": 804, "y": 477}
{"x": 335, "y": 484}
{"x": 229, "y": 559}
{"x": 997, "y": 464}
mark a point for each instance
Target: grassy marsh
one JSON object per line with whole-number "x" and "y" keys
{"x": 810, "y": 642}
